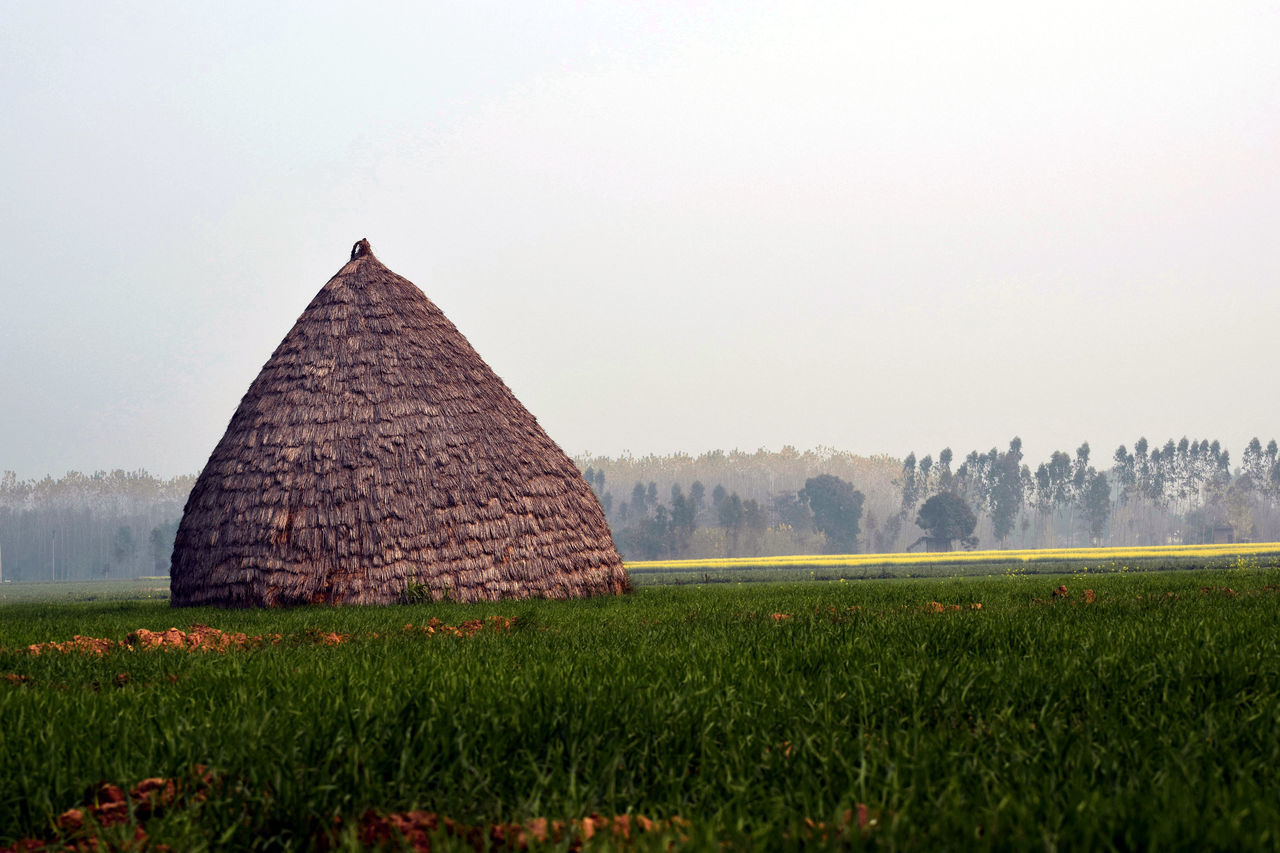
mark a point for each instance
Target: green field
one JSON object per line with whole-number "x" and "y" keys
{"x": 1144, "y": 714}
{"x": 1041, "y": 561}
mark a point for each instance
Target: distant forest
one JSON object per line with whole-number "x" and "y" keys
{"x": 758, "y": 504}
{"x": 122, "y": 524}
{"x": 103, "y": 525}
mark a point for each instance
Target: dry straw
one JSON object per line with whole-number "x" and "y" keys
{"x": 376, "y": 453}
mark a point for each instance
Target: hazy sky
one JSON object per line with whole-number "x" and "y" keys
{"x": 880, "y": 227}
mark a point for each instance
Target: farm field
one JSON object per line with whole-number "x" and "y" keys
{"x": 1127, "y": 710}
{"x": 826, "y": 567}
{"x": 90, "y": 590}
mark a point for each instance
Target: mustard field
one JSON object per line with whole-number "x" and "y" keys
{"x": 1049, "y": 560}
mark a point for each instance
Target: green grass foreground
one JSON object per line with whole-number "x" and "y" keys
{"x": 1149, "y": 718}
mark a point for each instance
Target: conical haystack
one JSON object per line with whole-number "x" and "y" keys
{"x": 376, "y": 453}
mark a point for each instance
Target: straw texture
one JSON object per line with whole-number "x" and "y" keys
{"x": 375, "y": 452}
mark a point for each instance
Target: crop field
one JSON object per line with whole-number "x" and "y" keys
{"x": 1119, "y": 710}
{"x": 825, "y": 567}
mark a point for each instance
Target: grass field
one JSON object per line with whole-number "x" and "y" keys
{"x": 136, "y": 589}
{"x": 1144, "y": 713}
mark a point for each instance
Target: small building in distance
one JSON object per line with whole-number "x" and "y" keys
{"x": 1222, "y": 534}
{"x": 931, "y": 544}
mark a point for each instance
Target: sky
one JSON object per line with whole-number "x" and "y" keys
{"x": 668, "y": 226}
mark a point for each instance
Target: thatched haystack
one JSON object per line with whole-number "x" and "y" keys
{"x": 377, "y": 452}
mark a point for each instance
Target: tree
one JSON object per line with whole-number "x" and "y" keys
{"x": 730, "y": 512}
{"x": 161, "y": 545}
{"x": 639, "y": 504}
{"x": 837, "y": 508}
{"x": 124, "y": 546}
{"x": 792, "y": 515}
{"x": 697, "y": 492}
{"x": 1080, "y": 471}
{"x": 1009, "y": 480}
{"x": 649, "y": 538}
{"x": 755, "y": 522}
{"x": 682, "y": 509}
{"x": 1123, "y": 470}
{"x": 683, "y": 515}
{"x": 944, "y": 470}
{"x": 926, "y": 467}
{"x": 947, "y": 516}
{"x": 731, "y": 518}
{"x": 1096, "y": 502}
{"x": 910, "y": 488}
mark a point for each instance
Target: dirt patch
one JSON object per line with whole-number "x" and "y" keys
{"x": 416, "y": 830}
{"x": 465, "y": 629}
{"x": 109, "y": 805}
{"x": 202, "y": 638}
{"x": 197, "y": 638}
{"x": 96, "y": 646}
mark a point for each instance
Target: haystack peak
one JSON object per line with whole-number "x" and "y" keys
{"x": 361, "y": 249}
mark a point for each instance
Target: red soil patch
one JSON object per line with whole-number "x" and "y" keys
{"x": 939, "y": 607}
{"x": 199, "y": 638}
{"x": 202, "y": 638}
{"x": 466, "y": 629}
{"x": 416, "y": 829}
{"x": 110, "y": 805}
{"x": 84, "y": 645}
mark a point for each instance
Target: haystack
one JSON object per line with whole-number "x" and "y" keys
{"x": 377, "y": 454}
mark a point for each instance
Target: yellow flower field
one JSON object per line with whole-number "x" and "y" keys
{"x": 950, "y": 557}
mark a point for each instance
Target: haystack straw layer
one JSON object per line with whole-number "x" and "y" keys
{"x": 376, "y": 453}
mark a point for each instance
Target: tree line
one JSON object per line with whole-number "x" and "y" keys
{"x": 114, "y": 524}
{"x": 1182, "y": 492}
{"x": 824, "y": 515}
{"x": 760, "y": 503}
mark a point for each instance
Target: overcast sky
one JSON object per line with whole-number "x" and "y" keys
{"x": 879, "y": 227}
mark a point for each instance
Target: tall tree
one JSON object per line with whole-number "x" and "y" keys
{"x": 1096, "y": 503}
{"x": 683, "y": 520}
{"x": 1080, "y": 471}
{"x": 1008, "y": 489}
{"x": 910, "y": 486}
{"x": 697, "y": 494}
{"x": 639, "y": 499}
{"x": 925, "y": 467}
{"x": 837, "y": 508}
{"x": 731, "y": 519}
{"x": 944, "y": 470}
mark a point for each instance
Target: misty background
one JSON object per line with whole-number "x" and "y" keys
{"x": 737, "y": 504}
{"x": 670, "y": 227}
